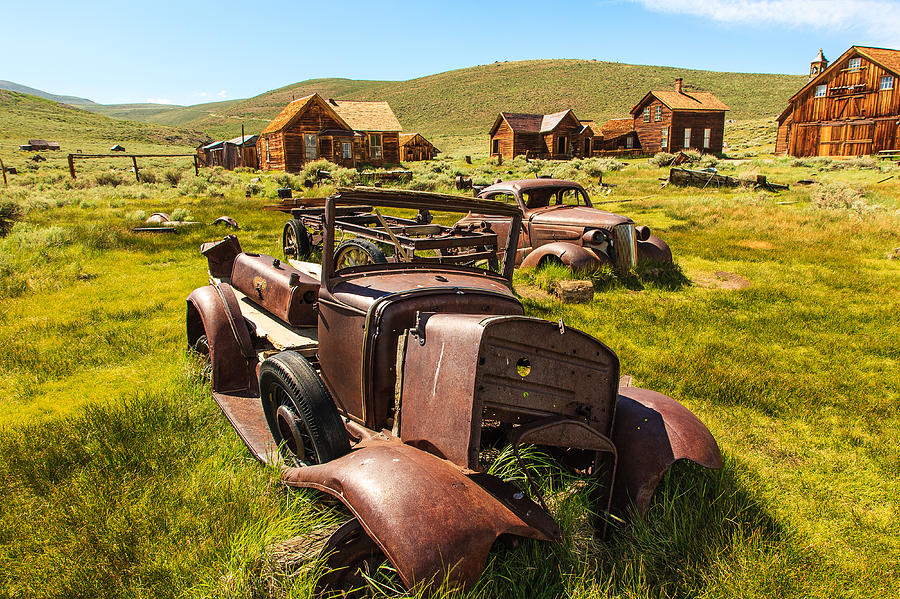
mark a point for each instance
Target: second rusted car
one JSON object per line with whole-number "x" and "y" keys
{"x": 561, "y": 225}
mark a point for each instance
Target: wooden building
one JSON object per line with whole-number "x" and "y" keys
{"x": 230, "y": 154}
{"x": 617, "y": 136}
{"x": 414, "y": 147}
{"x": 679, "y": 119}
{"x": 848, "y": 108}
{"x": 559, "y": 136}
{"x": 37, "y": 145}
{"x": 347, "y": 133}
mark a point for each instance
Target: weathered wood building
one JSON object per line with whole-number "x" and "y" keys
{"x": 679, "y": 119}
{"x": 848, "y": 108}
{"x": 559, "y": 136}
{"x": 347, "y": 133}
{"x": 414, "y": 147}
{"x": 617, "y": 136}
{"x": 230, "y": 154}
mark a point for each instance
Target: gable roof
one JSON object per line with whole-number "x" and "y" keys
{"x": 246, "y": 140}
{"x": 593, "y": 126}
{"x": 617, "y": 127}
{"x": 884, "y": 57}
{"x": 549, "y": 122}
{"x": 406, "y": 138}
{"x": 690, "y": 100}
{"x": 522, "y": 122}
{"x": 358, "y": 116}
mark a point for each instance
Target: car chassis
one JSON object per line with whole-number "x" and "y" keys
{"x": 379, "y": 385}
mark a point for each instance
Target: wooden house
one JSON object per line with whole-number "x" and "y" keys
{"x": 679, "y": 119}
{"x": 211, "y": 154}
{"x": 414, "y": 147}
{"x": 617, "y": 136}
{"x": 347, "y": 133}
{"x": 37, "y": 145}
{"x": 559, "y": 136}
{"x": 230, "y": 154}
{"x": 848, "y": 108}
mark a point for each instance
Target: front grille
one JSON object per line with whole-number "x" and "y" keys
{"x": 625, "y": 245}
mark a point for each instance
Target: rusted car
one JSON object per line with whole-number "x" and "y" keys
{"x": 382, "y": 385}
{"x": 561, "y": 225}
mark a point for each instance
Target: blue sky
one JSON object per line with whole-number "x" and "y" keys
{"x": 192, "y": 52}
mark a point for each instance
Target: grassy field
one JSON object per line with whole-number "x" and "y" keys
{"x": 120, "y": 477}
{"x": 455, "y": 107}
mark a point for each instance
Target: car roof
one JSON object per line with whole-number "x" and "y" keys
{"x": 519, "y": 185}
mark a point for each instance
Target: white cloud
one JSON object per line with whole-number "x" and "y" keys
{"x": 877, "y": 19}
{"x": 222, "y": 93}
{"x": 158, "y": 101}
{"x": 202, "y": 94}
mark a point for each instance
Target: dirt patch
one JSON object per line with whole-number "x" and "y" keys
{"x": 721, "y": 280}
{"x": 532, "y": 292}
{"x": 893, "y": 255}
{"x": 756, "y": 244}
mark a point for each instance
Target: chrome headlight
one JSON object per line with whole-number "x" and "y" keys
{"x": 625, "y": 246}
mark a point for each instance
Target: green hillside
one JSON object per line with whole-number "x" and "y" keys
{"x": 24, "y": 117}
{"x": 24, "y": 89}
{"x": 465, "y": 102}
{"x": 163, "y": 114}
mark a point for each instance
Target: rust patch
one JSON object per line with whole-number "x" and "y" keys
{"x": 721, "y": 279}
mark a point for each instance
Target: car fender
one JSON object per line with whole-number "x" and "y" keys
{"x": 654, "y": 249}
{"x": 574, "y": 256}
{"x": 214, "y": 310}
{"x": 430, "y": 518}
{"x": 652, "y": 432}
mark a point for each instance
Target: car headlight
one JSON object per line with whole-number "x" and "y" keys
{"x": 625, "y": 245}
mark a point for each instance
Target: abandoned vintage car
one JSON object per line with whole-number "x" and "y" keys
{"x": 380, "y": 384}
{"x": 561, "y": 225}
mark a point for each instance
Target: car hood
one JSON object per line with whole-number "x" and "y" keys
{"x": 576, "y": 215}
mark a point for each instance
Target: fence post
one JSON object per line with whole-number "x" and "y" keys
{"x": 196, "y": 167}
{"x": 136, "y": 176}
{"x": 3, "y": 168}
{"x": 72, "y": 165}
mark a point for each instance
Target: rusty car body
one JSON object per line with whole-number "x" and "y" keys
{"x": 380, "y": 384}
{"x": 561, "y": 225}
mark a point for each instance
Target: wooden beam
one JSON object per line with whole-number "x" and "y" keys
{"x": 3, "y": 168}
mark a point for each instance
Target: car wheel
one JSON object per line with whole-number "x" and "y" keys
{"x": 301, "y": 415}
{"x": 295, "y": 240}
{"x": 357, "y": 252}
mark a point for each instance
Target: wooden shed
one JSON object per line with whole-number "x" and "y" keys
{"x": 347, "y": 133}
{"x": 679, "y": 119}
{"x": 848, "y": 108}
{"x": 559, "y": 135}
{"x": 617, "y": 136}
{"x": 39, "y": 144}
{"x": 413, "y": 147}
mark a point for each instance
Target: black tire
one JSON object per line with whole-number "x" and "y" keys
{"x": 301, "y": 415}
{"x": 357, "y": 252}
{"x": 295, "y": 240}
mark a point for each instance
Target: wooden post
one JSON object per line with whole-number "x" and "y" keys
{"x": 196, "y": 167}
{"x": 136, "y": 176}
{"x": 72, "y": 165}
{"x": 3, "y": 168}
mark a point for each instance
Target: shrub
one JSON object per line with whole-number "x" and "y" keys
{"x": 708, "y": 161}
{"x": 10, "y": 213}
{"x": 180, "y": 214}
{"x": 692, "y": 155}
{"x": 595, "y": 167}
{"x": 662, "y": 159}
{"x": 147, "y": 177}
{"x": 838, "y": 196}
{"x": 138, "y": 215}
{"x": 111, "y": 179}
{"x": 173, "y": 177}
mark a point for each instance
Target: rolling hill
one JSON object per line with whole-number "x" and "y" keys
{"x": 464, "y": 102}
{"x": 24, "y": 89}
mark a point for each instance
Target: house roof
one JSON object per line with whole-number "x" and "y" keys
{"x": 885, "y": 57}
{"x": 550, "y": 121}
{"x": 245, "y": 140}
{"x": 213, "y": 145}
{"x": 521, "y": 122}
{"x": 358, "y": 116}
{"x": 406, "y": 138}
{"x": 683, "y": 100}
{"x": 617, "y": 127}
{"x": 366, "y": 116}
{"x": 593, "y": 126}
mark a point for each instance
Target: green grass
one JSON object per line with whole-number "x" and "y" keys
{"x": 120, "y": 478}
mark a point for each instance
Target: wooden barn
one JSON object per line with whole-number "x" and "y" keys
{"x": 414, "y": 147}
{"x": 617, "y": 136}
{"x": 848, "y": 107}
{"x": 559, "y": 136}
{"x": 37, "y": 145}
{"x": 347, "y": 133}
{"x": 230, "y": 154}
{"x": 679, "y": 119}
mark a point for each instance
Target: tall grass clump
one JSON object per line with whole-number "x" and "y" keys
{"x": 662, "y": 159}
{"x": 10, "y": 213}
{"x": 839, "y": 196}
{"x": 173, "y": 177}
{"x": 111, "y": 179}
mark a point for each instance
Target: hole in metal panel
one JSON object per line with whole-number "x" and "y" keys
{"x": 523, "y": 367}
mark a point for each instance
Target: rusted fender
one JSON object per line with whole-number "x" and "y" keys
{"x": 652, "y": 432}
{"x": 427, "y": 515}
{"x": 654, "y": 249}
{"x": 214, "y": 311}
{"x": 574, "y": 256}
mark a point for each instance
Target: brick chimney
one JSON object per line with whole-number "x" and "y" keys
{"x": 678, "y": 85}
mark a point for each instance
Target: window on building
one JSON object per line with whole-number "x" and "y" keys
{"x": 629, "y": 142}
{"x": 687, "y": 138}
{"x": 495, "y": 146}
{"x": 647, "y": 114}
{"x": 562, "y": 145}
{"x": 347, "y": 149}
{"x": 268, "y": 154}
{"x": 311, "y": 144}
{"x": 657, "y": 115}
{"x": 821, "y": 90}
{"x": 664, "y": 139}
{"x": 855, "y": 64}
{"x": 375, "y": 146}
{"x": 887, "y": 82}
{"x": 707, "y": 133}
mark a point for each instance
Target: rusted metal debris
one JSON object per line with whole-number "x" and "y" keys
{"x": 421, "y": 366}
{"x": 226, "y": 221}
{"x": 705, "y": 178}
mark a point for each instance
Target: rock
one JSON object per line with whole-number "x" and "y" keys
{"x": 575, "y": 291}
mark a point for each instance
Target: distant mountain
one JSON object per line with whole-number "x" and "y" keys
{"x": 24, "y": 89}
